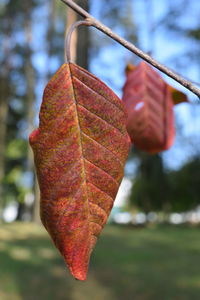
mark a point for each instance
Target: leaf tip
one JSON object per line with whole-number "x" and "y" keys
{"x": 79, "y": 275}
{"x": 78, "y": 269}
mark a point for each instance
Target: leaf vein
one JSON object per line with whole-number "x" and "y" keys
{"x": 72, "y": 198}
{"x": 90, "y": 88}
{"x": 115, "y": 156}
{"x": 100, "y": 189}
{"x": 102, "y": 209}
{"x": 103, "y": 171}
{"x": 97, "y": 116}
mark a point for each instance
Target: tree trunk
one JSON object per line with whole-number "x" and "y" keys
{"x": 4, "y": 92}
{"x": 5, "y": 88}
{"x": 30, "y": 91}
{"x": 80, "y": 40}
{"x": 71, "y": 18}
{"x": 36, "y": 207}
{"x": 83, "y": 40}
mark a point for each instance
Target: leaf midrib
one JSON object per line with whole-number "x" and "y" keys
{"x": 80, "y": 138}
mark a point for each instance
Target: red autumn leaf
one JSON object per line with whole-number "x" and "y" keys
{"x": 149, "y": 104}
{"x": 80, "y": 149}
{"x": 177, "y": 96}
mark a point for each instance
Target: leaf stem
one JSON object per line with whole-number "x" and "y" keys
{"x": 85, "y": 22}
{"x": 97, "y": 24}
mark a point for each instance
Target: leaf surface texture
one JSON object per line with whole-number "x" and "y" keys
{"x": 80, "y": 149}
{"x": 149, "y": 104}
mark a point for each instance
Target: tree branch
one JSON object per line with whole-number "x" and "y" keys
{"x": 97, "y": 24}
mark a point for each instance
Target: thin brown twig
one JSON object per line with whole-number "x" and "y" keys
{"x": 97, "y": 24}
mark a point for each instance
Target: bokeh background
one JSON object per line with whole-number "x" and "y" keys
{"x": 151, "y": 247}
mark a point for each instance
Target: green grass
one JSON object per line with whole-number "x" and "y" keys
{"x": 160, "y": 263}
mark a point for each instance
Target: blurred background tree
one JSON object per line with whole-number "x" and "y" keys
{"x": 17, "y": 77}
